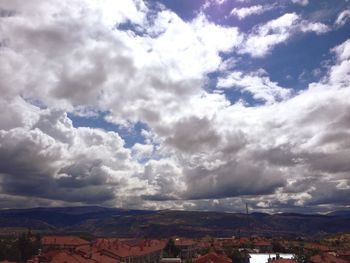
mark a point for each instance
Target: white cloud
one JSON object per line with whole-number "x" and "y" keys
{"x": 339, "y": 73}
{"x": 257, "y": 83}
{"x": 342, "y": 18}
{"x": 265, "y": 37}
{"x": 318, "y": 28}
{"x": 301, "y": 2}
{"x": 243, "y": 12}
{"x": 141, "y": 151}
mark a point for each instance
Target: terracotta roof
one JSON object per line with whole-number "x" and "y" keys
{"x": 98, "y": 257}
{"x": 66, "y": 257}
{"x": 262, "y": 243}
{"x": 241, "y": 241}
{"x": 327, "y": 258}
{"x": 125, "y": 249}
{"x": 184, "y": 242}
{"x": 212, "y": 257}
{"x": 63, "y": 240}
{"x": 317, "y": 247}
{"x": 344, "y": 253}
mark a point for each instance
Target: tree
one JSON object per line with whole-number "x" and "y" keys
{"x": 301, "y": 255}
{"x": 236, "y": 256}
{"x": 277, "y": 247}
{"x": 170, "y": 249}
{"x": 233, "y": 253}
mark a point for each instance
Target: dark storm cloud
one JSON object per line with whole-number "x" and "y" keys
{"x": 49, "y": 188}
{"x": 193, "y": 135}
{"x": 232, "y": 179}
{"x": 6, "y": 13}
{"x": 29, "y": 168}
{"x": 281, "y": 156}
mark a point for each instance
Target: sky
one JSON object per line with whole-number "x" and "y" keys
{"x": 175, "y": 104}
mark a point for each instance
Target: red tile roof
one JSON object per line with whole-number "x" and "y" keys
{"x": 184, "y": 242}
{"x": 122, "y": 248}
{"x": 98, "y": 257}
{"x": 262, "y": 243}
{"x": 344, "y": 253}
{"x": 316, "y": 246}
{"x": 327, "y": 258}
{"x": 212, "y": 257}
{"x": 63, "y": 240}
{"x": 67, "y": 257}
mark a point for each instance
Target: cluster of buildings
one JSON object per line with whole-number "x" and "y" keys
{"x": 72, "y": 249}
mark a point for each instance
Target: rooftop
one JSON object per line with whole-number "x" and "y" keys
{"x": 212, "y": 257}
{"x": 64, "y": 240}
{"x": 124, "y": 248}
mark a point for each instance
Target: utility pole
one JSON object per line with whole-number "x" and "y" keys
{"x": 246, "y": 208}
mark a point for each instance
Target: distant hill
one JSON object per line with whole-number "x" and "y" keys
{"x": 101, "y": 221}
{"x": 341, "y": 213}
{"x": 60, "y": 217}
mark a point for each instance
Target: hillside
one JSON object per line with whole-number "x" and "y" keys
{"x": 102, "y": 221}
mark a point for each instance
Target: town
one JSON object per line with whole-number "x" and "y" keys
{"x": 31, "y": 247}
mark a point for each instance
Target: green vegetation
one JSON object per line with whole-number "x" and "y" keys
{"x": 171, "y": 250}
{"x": 278, "y": 248}
{"x": 20, "y": 249}
{"x": 233, "y": 253}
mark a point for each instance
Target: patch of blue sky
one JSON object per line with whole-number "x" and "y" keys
{"x": 294, "y": 64}
{"x": 185, "y": 9}
{"x": 130, "y": 135}
{"x": 232, "y": 94}
{"x": 235, "y": 95}
{"x": 301, "y": 60}
{"x": 129, "y": 26}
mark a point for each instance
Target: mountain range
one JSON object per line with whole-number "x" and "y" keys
{"x": 102, "y": 221}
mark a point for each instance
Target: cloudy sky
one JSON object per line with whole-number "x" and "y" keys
{"x": 197, "y": 105}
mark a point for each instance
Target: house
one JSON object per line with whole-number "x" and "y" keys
{"x": 130, "y": 251}
{"x": 344, "y": 255}
{"x": 263, "y": 245}
{"x": 317, "y": 247}
{"x": 212, "y": 257}
{"x": 327, "y": 258}
{"x": 63, "y": 242}
{"x": 68, "y": 257}
{"x": 70, "y": 249}
{"x": 60, "y": 256}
